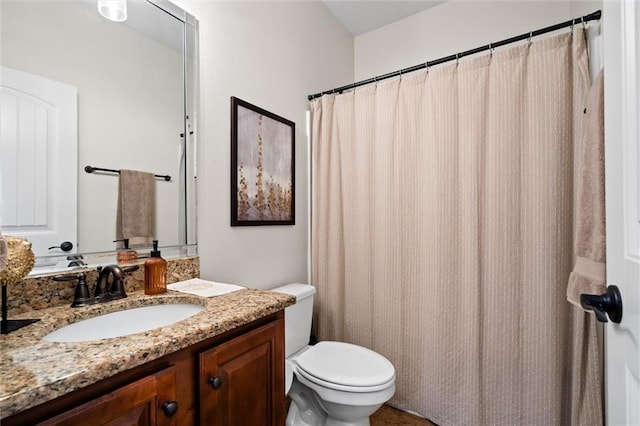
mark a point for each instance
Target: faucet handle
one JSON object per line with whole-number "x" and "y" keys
{"x": 130, "y": 269}
{"x": 81, "y": 296}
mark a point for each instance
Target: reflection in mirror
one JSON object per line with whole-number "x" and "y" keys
{"x": 81, "y": 90}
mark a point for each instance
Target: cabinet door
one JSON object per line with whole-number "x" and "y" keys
{"x": 166, "y": 401}
{"x": 242, "y": 380}
{"x": 139, "y": 403}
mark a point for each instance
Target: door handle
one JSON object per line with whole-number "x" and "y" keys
{"x": 64, "y": 246}
{"x": 609, "y": 303}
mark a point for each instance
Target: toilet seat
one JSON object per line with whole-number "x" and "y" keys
{"x": 346, "y": 367}
{"x": 344, "y": 388}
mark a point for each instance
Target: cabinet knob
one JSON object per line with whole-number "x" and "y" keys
{"x": 215, "y": 382}
{"x": 170, "y": 408}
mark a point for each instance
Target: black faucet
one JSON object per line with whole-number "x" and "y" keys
{"x": 113, "y": 290}
{"x": 76, "y": 260}
{"x": 105, "y": 290}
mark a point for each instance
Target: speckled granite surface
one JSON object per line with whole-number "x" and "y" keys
{"x": 43, "y": 292}
{"x": 33, "y": 371}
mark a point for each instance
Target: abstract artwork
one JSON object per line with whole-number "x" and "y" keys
{"x": 262, "y": 167}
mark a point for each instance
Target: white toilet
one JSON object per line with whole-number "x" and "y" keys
{"x": 331, "y": 383}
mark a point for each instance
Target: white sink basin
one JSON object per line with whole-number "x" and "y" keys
{"x": 123, "y": 323}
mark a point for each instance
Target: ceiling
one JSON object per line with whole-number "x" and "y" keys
{"x": 361, "y": 16}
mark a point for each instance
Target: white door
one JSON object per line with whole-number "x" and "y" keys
{"x": 621, "y": 26}
{"x": 38, "y": 160}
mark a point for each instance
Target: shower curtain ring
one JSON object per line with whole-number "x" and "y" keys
{"x": 529, "y": 38}
{"x": 457, "y": 58}
{"x": 584, "y": 23}
{"x": 491, "y": 49}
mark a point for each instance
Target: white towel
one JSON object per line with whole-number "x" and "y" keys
{"x": 204, "y": 288}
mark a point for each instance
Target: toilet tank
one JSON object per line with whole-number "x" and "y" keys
{"x": 297, "y": 318}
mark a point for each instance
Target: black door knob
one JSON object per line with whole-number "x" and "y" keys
{"x": 215, "y": 382}
{"x": 170, "y": 408}
{"x": 609, "y": 303}
{"x": 64, "y": 246}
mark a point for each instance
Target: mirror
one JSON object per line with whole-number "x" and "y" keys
{"x": 80, "y": 90}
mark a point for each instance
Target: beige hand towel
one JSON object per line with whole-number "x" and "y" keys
{"x": 589, "y": 271}
{"x": 136, "y": 214}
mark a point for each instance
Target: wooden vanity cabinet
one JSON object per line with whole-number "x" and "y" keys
{"x": 241, "y": 380}
{"x": 248, "y": 362}
{"x": 142, "y": 402}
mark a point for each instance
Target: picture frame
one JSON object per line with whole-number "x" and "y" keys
{"x": 262, "y": 166}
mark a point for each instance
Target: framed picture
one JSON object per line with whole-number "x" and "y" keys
{"x": 262, "y": 166}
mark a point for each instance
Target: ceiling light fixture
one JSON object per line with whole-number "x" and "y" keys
{"x": 114, "y": 10}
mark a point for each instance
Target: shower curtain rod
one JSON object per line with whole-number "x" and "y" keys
{"x": 526, "y": 36}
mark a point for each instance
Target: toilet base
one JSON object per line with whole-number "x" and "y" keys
{"x": 307, "y": 410}
{"x": 294, "y": 418}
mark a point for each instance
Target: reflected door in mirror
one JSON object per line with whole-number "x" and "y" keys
{"x": 38, "y": 152}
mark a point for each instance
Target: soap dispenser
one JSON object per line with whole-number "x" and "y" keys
{"x": 155, "y": 272}
{"x": 126, "y": 255}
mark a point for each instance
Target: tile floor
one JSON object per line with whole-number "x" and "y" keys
{"x": 389, "y": 416}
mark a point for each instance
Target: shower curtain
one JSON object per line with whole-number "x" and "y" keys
{"x": 442, "y": 221}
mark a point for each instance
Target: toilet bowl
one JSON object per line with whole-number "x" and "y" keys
{"x": 331, "y": 383}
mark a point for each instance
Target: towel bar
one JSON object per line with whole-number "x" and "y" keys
{"x": 91, "y": 169}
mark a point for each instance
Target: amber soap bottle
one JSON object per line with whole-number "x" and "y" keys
{"x": 126, "y": 255}
{"x": 155, "y": 272}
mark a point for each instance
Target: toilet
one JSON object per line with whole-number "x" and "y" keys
{"x": 330, "y": 383}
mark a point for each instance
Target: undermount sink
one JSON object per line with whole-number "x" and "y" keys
{"x": 124, "y": 323}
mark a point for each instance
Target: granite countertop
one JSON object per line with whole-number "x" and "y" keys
{"x": 33, "y": 371}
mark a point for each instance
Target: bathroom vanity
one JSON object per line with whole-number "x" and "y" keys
{"x": 222, "y": 366}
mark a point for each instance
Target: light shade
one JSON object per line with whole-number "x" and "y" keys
{"x": 115, "y": 10}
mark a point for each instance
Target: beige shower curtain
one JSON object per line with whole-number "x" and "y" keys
{"x": 442, "y": 235}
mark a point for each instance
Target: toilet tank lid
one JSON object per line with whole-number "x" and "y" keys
{"x": 300, "y": 291}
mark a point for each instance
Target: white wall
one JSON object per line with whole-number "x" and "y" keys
{"x": 270, "y": 54}
{"x": 456, "y": 26}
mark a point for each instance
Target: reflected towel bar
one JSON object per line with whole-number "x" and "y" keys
{"x": 90, "y": 169}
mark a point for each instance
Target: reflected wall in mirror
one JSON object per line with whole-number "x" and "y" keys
{"x": 133, "y": 84}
